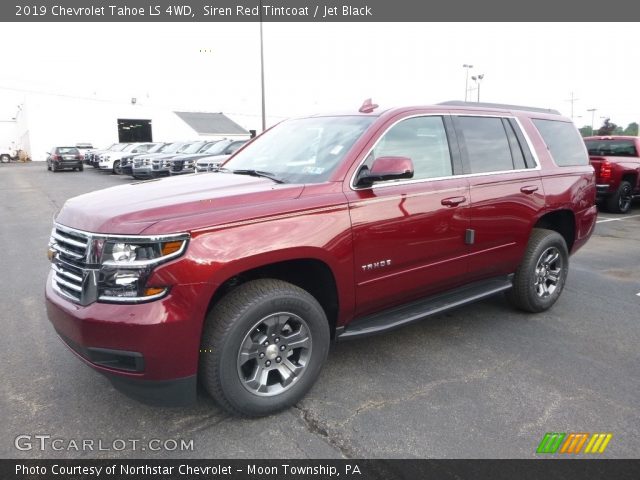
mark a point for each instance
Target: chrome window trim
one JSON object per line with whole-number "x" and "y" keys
{"x": 392, "y": 183}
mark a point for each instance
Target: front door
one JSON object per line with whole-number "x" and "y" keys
{"x": 409, "y": 235}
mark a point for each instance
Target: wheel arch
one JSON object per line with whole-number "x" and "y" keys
{"x": 562, "y": 221}
{"x": 310, "y": 273}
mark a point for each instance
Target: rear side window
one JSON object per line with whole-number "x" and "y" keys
{"x": 487, "y": 145}
{"x": 563, "y": 141}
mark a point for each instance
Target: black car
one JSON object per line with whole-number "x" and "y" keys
{"x": 60, "y": 158}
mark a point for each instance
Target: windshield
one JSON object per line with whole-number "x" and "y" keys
{"x": 192, "y": 148}
{"x": 305, "y": 150}
{"x": 171, "y": 147}
{"x": 218, "y": 147}
{"x": 119, "y": 147}
{"x": 612, "y": 148}
{"x": 156, "y": 148}
{"x": 207, "y": 146}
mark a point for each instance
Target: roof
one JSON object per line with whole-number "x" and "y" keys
{"x": 205, "y": 123}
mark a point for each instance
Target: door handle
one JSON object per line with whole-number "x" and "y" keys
{"x": 453, "y": 201}
{"x": 529, "y": 189}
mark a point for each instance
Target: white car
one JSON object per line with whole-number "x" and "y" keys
{"x": 111, "y": 160}
{"x": 207, "y": 164}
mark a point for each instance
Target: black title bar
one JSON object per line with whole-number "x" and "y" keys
{"x": 313, "y": 11}
{"x": 319, "y": 469}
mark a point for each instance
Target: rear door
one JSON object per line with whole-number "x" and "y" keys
{"x": 409, "y": 234}
{"x": 505, "y": 191}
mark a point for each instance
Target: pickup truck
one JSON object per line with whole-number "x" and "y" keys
{"x": 324, "y": 228}
{"x": 617, "y": 165}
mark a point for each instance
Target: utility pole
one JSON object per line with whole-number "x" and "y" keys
{"x": 573, "y": 100}
{"x": 593, "y": 113}
{"x": 466, "y": 82}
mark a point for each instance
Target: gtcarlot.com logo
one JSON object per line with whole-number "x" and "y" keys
{"x": 573, "y": 443}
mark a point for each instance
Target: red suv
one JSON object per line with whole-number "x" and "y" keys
{"x": 323, "y": 228}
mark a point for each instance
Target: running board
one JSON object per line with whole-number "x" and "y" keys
{"x": 411, "y": 312}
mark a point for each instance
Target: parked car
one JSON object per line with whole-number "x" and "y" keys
{"x": 111, "y": 160}
{"x": 617, "y": 164}
{"x": 157, "y": 164}
{"x": 84, "y": 149}
{"x": 126, "y": 162}
{"x": 323, "y": 228}
{"x": 95, "y": 154}
{"x": 217, "y": 156}
{"x": 185, "y": 162}
{"x": 62, "y": 158}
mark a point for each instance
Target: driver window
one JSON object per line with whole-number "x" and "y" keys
{"x": 423, "y": 140}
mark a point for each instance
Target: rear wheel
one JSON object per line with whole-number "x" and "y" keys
{"x": 541, "y": 276}
{"x": 620, "y": 202}
{"x": 263, "y": 347}
{"x": 5, "y": 158}
{"x": 81, "y": 168}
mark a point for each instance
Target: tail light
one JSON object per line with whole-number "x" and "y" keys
{"x": 605, "y": 171}
{"x": 55, "y": 157}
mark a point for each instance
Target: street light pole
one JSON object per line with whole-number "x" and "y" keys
{"x": 264, "y": 118}
{"x": 478, "y": 79}
{"x": 593, "y": 113}
{"x": 466, "y": 81}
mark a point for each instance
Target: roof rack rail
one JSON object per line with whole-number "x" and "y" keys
{"x": 459, "y": 103}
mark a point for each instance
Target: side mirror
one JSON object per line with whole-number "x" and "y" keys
{"x": 385, "y": 168}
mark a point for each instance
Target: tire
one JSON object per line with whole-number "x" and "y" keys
{"x": 81, "y": 168}
{"x": 54, "y": 168}
{"x": 48, "y": 166}
{"x": 116, "y": 168}
{"x": 233, "y": 348}
{"x": 620, "y": 202}
{"x": 541, "y": 276}
{"x": 5, "y": 158}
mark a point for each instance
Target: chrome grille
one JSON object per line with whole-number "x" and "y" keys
{"x": 69, "y": 265}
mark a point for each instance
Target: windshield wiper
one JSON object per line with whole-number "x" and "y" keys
{"x": 258, "y": 173}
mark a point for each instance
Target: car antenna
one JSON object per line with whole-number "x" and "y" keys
{"x": 368, "y": 106}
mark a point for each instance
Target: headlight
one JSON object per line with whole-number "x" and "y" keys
{"x": 127, "y": 264}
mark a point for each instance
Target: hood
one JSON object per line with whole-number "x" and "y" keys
{"x": 131, "y": 209}
{"x": 213, "y": 158}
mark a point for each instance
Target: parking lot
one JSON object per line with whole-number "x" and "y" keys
{"x": 483, "y": 381}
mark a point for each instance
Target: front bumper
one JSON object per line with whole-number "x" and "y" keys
{"x": 150, "y": 351}
{"x": 149, "y": 171}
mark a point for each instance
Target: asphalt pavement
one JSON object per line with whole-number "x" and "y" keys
{"x": 483, "y": 381}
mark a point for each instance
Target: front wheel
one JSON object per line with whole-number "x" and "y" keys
{"x": 117, "y": 169}
{"x": 620, "y": 202}
{"x": 263, "y": 347}
{"x": 541, "y": 276}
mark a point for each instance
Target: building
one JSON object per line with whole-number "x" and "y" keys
{"x": 44, "y": 121}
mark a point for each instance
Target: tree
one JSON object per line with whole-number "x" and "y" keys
{"x": 607, "y": 128}
{"x": 586, "y": 131}
{"x": 632, "y": 129}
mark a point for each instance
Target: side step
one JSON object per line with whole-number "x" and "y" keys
{"x": 411, "y": 312}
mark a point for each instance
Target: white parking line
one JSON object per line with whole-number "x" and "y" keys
{"x": 638, "y": 294}
{"x": 619, "y": 219}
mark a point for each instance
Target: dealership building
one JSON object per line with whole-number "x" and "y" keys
{"x": 44, "y": 121}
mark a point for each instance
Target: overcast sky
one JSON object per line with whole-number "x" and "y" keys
{"x": 314, "y": 67}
